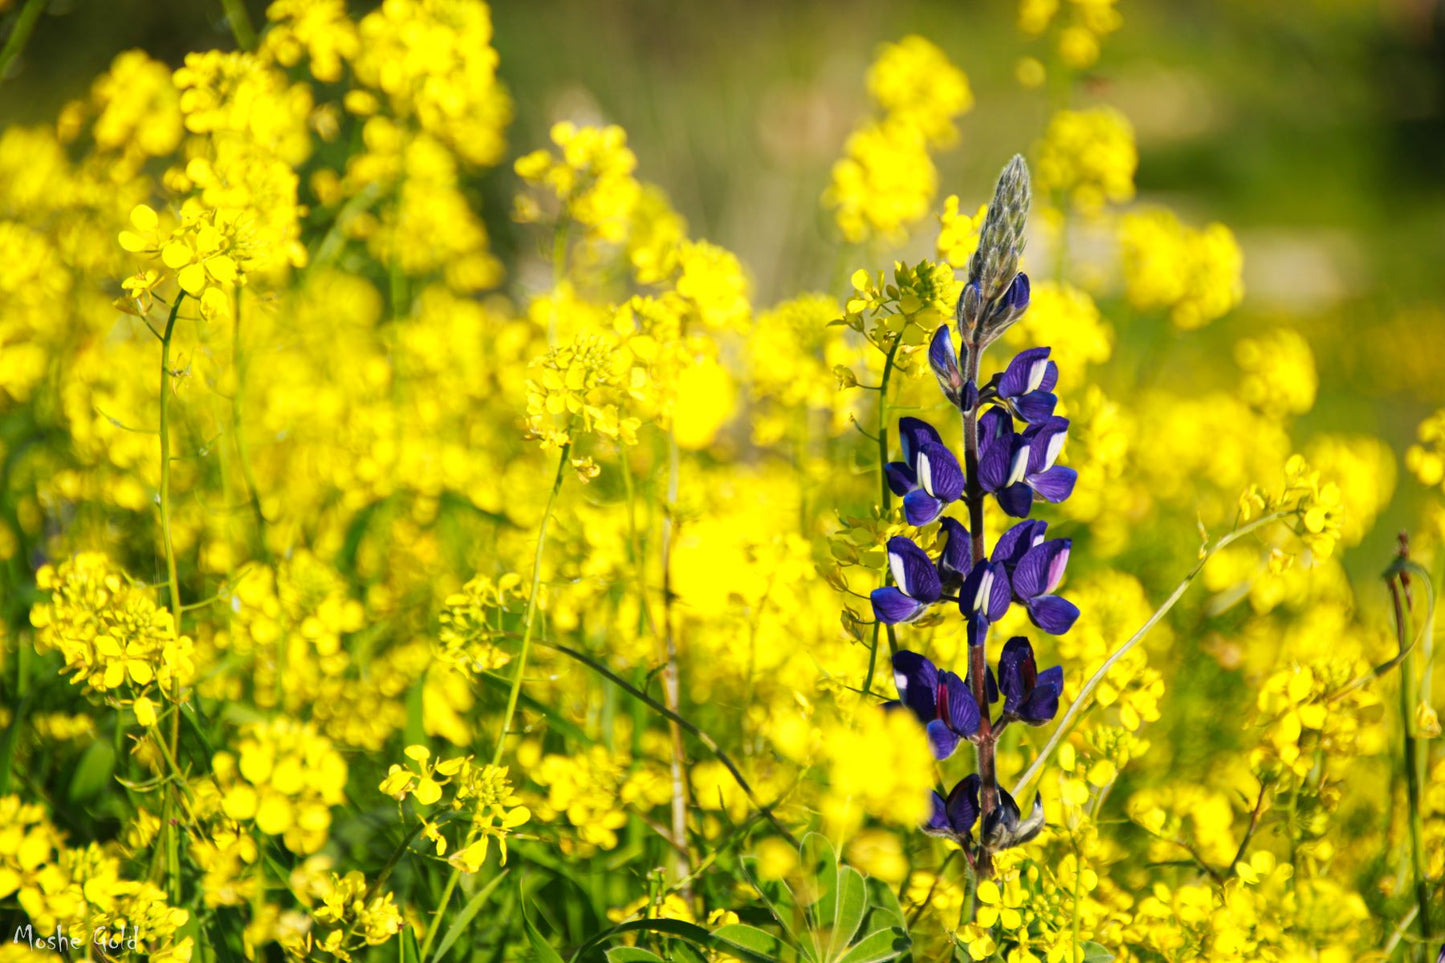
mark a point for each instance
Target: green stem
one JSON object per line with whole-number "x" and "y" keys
{"x": 172, "y": 579}
{"x": 682, "y": 721}
{"x": 238, "y": 365}
{"x": 436, "y": 923}
{"x": 529, "y": 619}
{"x": 1413, "y": 757}
{"x": 20, "y": 34}
{"x": 240, "y": 22}
{"x": 1082, "y": 699}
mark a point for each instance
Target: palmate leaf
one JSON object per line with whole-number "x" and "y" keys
{"x": 877, "y": 947}
{"x": 748, "y": 943}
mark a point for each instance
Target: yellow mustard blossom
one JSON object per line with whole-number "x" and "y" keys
{"x": 111, "y": 634}
{"x": 591, "y": 180}
{"x": 471, "y": 623}
{"x": 579, "y": 390}
{"x": 1194, "y": 272}
{"x": 1279, "y": 372}
{"x": 353, "y": 915}
{"x": 284, "y": 777}
{"x": 1088, "y": 157}
{"x": 881, "y": 767}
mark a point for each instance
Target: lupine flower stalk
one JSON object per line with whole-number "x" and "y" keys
{"x": 1017, "y": 467}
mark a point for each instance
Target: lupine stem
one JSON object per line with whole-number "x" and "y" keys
{"x": 1081, "y": 701}
{"x": 529, "y": 618}
{"x": 987, "y": 739}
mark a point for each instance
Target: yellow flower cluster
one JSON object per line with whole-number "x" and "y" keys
{"x": 485, "y": 791}
{"x": 591, "y": 181}
{"x": 1426, "y": 458}
{"x": 80, "y": 890}
{"x": 1088, "y": 158}
{"x": 284, "y": 777}
{"x": 353, "y": 915}
{"x": 1079, "y": 39}
{"x": 112, "y": 636}
{"x": 471, "y": 623}
{"x": 1279, "y": 372}
{"x": 879, "y": 766}
{"x": 886, "y": 179}
{"x": 590, "y": 788}
{"x": 581, "y": 388}
{"x": 1194, "y": 272}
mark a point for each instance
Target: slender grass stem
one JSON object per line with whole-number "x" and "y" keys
{"x": 240, "y": 22}
{"x": 670, "y": 679}
{"x": 172, "y": 581}
{"x": 238, "y": 368}
{"x": 529, "y": 619}
{"x": 1414, "y": 759}
{"x": 20, "y": 34}
{"x": 1082, "y": 700}
{"x": 682, "y": 721}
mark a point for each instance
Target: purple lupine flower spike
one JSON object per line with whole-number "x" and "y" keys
{"x": 1027, "y": 385}
{"x": 1053, "y": 483}
{"x": 918, "y": 584}
{"x": 1011, "y": 304}
{"x": 1034, "y": 580}
{"x": 955, "y": 816}
{"x": 984, "y": 598}
{"x": 1028, "y": 695}
{"x": 938, "y": 698}
{"x": 957, "y": 559}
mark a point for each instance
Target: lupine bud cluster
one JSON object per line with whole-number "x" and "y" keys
{"x": 1011, "y": 449}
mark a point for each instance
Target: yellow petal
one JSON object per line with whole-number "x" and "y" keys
{"x": 144, "y": 218}
{"x": 222, "y": 268}
{"x": 175, "y": 254}
{"x": 140, "y": 671}
{"x": 145, "y": 711}
{"x": 192, "y": 279}
{"x": 427, "y": 791}
{"x": 133, "y": 242}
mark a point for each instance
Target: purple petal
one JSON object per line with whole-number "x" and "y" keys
{"x": 977, "y": 588}
{"x": 961, "y": 807}
{"x": 1042, "y": 704}
{"x": 891, "y": 606}
{"x": 941, "y": 739}
{"x": 938, "y": 472}
{"x": 993, "y": 465}
{"x": 1041, "y": 568}
{"x": 977, "y": 629}
{"x": 1016, "y": 500}
{"x": 920, "y": 508}
{"x": 1053, "y": 485}
{"x": 957, "y": 557}
{"x": 956, "y": 705}
{"x": 1036, "y": 406}
{"x": 901, "y": 478}
{"x": 937, "y": 824}
{"x": 1025, "y": 373}
{"x": 1001, "y": 593}
{"x": 1046, "y": 440}
{"x": 1017, "y": 295}
{"x": 1012, "y": 544}
{"x": 1053, "y": 613}
{"x": 917, "y": 682}
{"x": 1017, "y": 672}
{"x": 996, "y": 425}
{"x": 913, "y": 434}
{"x": 944, "y": 362}
{"x": 913, "y": 570}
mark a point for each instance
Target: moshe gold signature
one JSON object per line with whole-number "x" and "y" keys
{"x": 60, "y": 941}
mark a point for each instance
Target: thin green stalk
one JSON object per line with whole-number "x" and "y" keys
{"x": 885, "y": 495}
{"x": 172, "y": 580}
{"x": 1413, "y": 757}
{"x": 682, "y": 721}
{"x": 240, "y": 22}
{"x": 1081, "y": 700}
{"x": 670, "y": 678}
{"x": 20, "y": 34}
{"x": 529, "y": 619}
{"x": 238, "y": 366}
